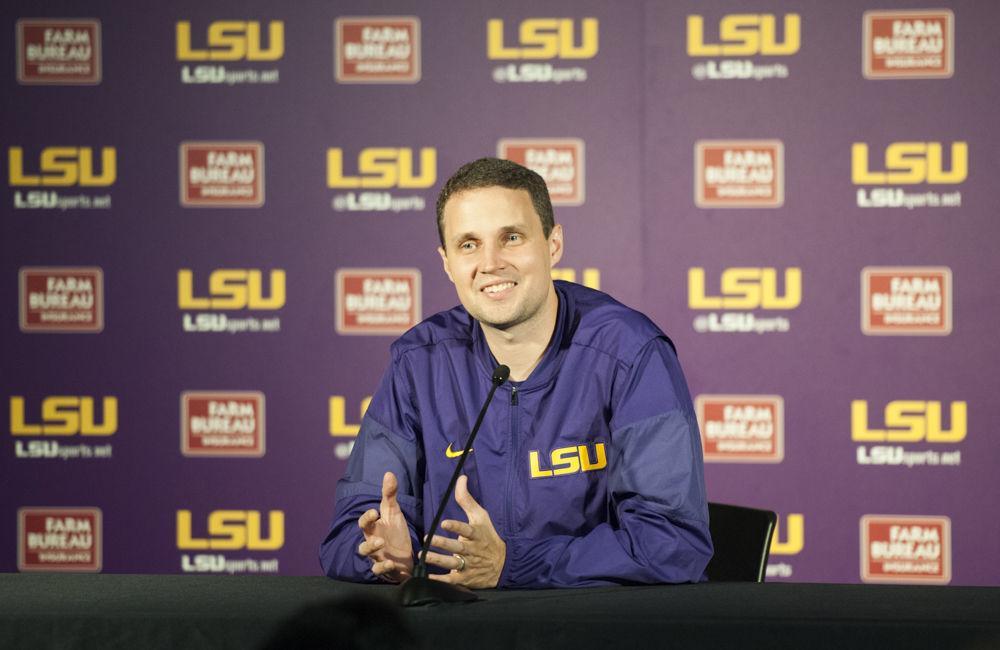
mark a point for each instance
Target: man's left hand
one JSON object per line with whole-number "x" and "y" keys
{"x": 478, "y": 555}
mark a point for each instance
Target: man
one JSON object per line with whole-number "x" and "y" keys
{"x": 587, "y": 469}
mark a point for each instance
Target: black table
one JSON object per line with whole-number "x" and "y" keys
{"x": 135, "y": 611}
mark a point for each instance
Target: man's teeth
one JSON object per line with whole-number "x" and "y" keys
{"x": 496, "y": 288}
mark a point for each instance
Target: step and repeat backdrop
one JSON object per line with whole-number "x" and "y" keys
{"x": 217, "y": 216}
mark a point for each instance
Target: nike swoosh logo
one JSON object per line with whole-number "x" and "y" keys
{"x": 454, "y": 454}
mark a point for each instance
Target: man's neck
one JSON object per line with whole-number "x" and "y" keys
{"x": 521, "y": 348}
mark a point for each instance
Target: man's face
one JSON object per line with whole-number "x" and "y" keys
{"x": 497, "y": 256}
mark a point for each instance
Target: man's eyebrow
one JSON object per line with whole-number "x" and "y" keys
{"x": 471, "y": 235}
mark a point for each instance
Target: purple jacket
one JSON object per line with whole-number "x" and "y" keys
{"x": 591, "y": 469}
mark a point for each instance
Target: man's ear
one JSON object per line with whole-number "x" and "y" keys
{"x": 444, "y": 263}
{"x": 556, "y": 244}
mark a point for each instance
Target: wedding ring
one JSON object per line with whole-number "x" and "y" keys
{"x": 461, "y": 559}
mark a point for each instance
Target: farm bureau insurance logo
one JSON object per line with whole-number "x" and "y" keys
{"x": 230, "y": 41}
{"x": 374, "y": 171}
{"x": 740, "y": 36}
{"x": 341, "y": 428}
{"x": 909, "y": 44}
{"x": 61, "y": 167}
{"x": 377, "y": 301}
{"x": 741, "y": 428}
{"x": 61, "y": 299}
{"x": 59, "y": 51}
{"x": 906, "y": 300}
{"x": 222, "y": 423}
{"x": 560, "y": 161}
{"x": 62, "y": 417}
{"x": 59, "y": 539}
{"x": 739, "y": 173}
{"x": 230, "y": 530}
{"x": 909, "y": 421}
{"x": 222, "y": 174}
{"x": 376, "y": 49}
{"x": 788, "y": 540}
{"x": 744, "y": 292}
{"x": 906, "y": 549}
{"x": 909, "y": 164}
{"x": 230, "y": 290}
{"x": 537, "y": 42}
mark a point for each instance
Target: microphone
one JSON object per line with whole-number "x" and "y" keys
{"x": 419, "y": 589}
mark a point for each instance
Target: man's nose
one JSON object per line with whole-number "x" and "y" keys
{"x": 492, "y": 258}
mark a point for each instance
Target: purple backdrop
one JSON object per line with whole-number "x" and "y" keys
{"x": 624, "y": 120}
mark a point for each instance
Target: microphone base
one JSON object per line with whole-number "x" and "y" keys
{"x": 417, "y": 592}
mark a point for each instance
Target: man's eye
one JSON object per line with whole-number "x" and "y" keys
{"x": 514, "y": 237}
{"x": 467, "y": 246}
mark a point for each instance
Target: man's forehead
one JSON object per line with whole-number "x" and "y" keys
{"x": 488, "y": 208}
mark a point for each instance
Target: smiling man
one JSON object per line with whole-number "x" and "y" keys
{"x": 587, "y": 469}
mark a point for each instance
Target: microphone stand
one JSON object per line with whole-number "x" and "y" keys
{"x": 420, "y": 589}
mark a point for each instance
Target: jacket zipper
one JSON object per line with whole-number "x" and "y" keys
{"x": 512, "y": 464}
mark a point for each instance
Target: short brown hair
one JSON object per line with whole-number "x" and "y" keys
{"x": 497, "y": 172}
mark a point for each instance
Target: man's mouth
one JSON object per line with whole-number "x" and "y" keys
{"x": 499, "y": 287}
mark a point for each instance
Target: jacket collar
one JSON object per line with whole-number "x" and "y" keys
{"x": 562, "y": 337}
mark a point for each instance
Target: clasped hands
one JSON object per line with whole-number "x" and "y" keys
{"x": 474, "y": 559}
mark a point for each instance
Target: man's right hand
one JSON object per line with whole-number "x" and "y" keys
{"x": 387, "y": 537}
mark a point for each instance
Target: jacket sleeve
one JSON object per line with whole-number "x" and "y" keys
{"x": 387, "y": 441}
{"x": 657, "y": 528}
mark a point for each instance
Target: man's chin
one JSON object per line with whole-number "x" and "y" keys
{"x": 497, "y": 320}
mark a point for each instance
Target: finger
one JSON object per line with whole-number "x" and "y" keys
{"x": 383, "y": 567}
{"x": 390, "y": 486}
{"x": 449, "y": 562}
{"x": 459, "y": 528}
{"x": 463, "y": 497}
{"x": 367, "y": 521}
{"x": 447, "y": 544}
{"x": 370, "y": 546}
{"x": 445, "y": 577}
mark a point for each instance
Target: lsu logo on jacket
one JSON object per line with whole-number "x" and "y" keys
{"x": 568, "y": 460}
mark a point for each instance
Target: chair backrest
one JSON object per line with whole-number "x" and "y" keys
{"x": 742, "y": 540}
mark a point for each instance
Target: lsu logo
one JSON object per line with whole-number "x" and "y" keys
{"x": 339, "y": 426}
{"x": 382, "y": 168}
{"x": 65, "y": 415}
{"x": 746, "y": 288}
{"x": 63, "y": 167}
{"x": 232, "y": 530}
{"x": 568, "y": 460}
{"x": 232, "y": 289}
{"x": 795, "y": 535}
{"x": 745, "y": 35}
{"x": 909, "y": 421}
{"x": 590, "y": 277}
{"x": 911, "y": 163}
{"x": 232, "y": 40}
{"x": 544, "y": 38}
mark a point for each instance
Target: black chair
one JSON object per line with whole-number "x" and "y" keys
{"x": 742, "y": 540}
